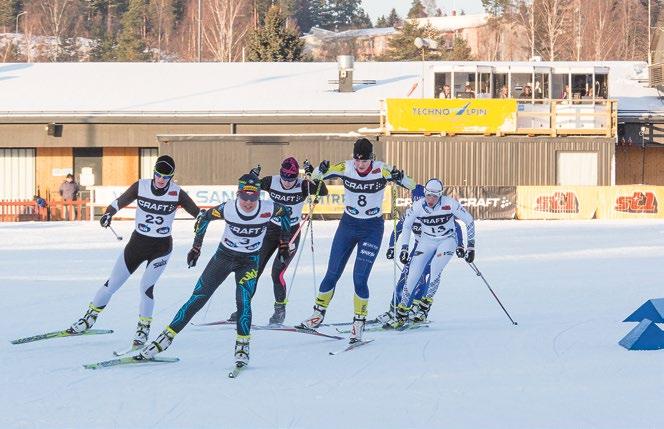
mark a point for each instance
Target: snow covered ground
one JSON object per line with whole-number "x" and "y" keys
{"x": 568, "y": 284}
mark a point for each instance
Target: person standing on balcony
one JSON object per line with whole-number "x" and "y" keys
{"x": 69, "y": 192}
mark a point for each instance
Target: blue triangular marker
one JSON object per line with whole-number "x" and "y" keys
{"x": 645, "y": 336}
{"x": 653, "y": 310}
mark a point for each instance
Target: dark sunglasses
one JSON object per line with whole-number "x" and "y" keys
{"x": 162, "y": 176}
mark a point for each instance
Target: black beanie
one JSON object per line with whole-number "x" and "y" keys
{"x": 165, "y": 165}
{"x": 363, "y": 149}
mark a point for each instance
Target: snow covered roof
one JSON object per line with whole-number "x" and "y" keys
{"x": 452, "y": 22}
{"x": 321, "y": 33}
{"x": 134, "y": 89}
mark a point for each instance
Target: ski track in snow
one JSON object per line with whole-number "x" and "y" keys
{"x": 568, "y": 284}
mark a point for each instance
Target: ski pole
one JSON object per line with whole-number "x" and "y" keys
{"x": 119, "y": 237}
{"x": 479, "y": 274}
{"x": 394, "y": 259}
{"x": 297, "y": 261}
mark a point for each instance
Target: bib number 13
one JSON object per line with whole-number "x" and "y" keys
{"x": 154, "y": 219}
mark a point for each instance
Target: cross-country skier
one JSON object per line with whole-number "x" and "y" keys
{"x": 286, "y": 189}
{"x": 247, "y": 219}
{"x": 361, "y": 225}
{"x": 420, "y": 304}
{"x": 151, "y": 242}
{"x": 437, "y": 216}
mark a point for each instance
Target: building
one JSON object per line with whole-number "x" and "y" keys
{"x": 107, "y": 122}
{"x": 365, "y": 44}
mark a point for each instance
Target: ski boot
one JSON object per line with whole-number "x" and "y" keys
{"x": 386, "y": 317}
{"x": 315, "y": 320}
{"x": 142, "y": 332}
{"x": 232, "y": 317}
{"x": 400, "y": 319}
{"x": 279, "y": 314}
{"x": 242, "y": 350}
{"x": 357, "y": 328}
{"x": 159, "y": 345}
{"x": 421, "y": 310}
{"x": 86, "y": 322}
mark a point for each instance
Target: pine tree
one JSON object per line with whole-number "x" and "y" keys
{"x": 275, "y": 40}
{"x": 460, "y": 51}
{"x": 417, "y": 10}
{"x": 430, "y": 7}
{"x": 401, "y": 46}
{"x": 393, "y": 19}
{"x": 381, "y": 22}
{"x": 131, "y": 46}
{"x": 8, "y": 11}
{"x": 340, "y": 15}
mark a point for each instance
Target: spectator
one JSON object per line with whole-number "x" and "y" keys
{"x": 446, "y": 92}
{"x": 565, "y": 94}
{"x": 503, "y": 93}
{"x": 469, "y": 90}
{"x": 69, "y": 192}
{"x": 527, "y": 92}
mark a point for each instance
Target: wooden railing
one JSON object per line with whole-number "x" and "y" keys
{"x": 29, "y": 210}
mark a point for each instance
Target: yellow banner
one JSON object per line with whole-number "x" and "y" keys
{"x": 458, "y": 116}
{"x": 630, "y": 202}
{"x": 556, "y": 202}
{"x": 333, "y": 202}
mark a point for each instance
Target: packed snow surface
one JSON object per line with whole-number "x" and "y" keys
{"x": 568, "y": 284}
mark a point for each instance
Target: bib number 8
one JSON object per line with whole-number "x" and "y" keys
{"x": 362, "y": 200}
{"x": 154, "y": 219}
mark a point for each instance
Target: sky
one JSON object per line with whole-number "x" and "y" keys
{"x": 376, "y": 8}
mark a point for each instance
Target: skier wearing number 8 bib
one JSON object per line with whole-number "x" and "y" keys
{"x": 151, "y": 242}
{"x": 437, "y": 243}
{"x": 361, "y": 225}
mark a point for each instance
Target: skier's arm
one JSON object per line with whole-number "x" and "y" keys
{"x": 284, "y": 214}
{"x": 309, "y": 187}
{"x": 335, "y": 171}
{"x": 460, "y": 213}
{"x": 458, "y": 234}
{"x": 203, "y": 220}
{"x": 266, "y": 183}
{"x": 123, "y": 200}
{"x": 188, "y": 204}
{"x": 398, "y": 176}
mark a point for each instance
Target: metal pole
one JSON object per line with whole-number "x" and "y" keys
{"x": 649, "y": 40}
{"x": 532, "y": 31}
{"x": 198, "y": 37}
{"x": 17, "y": 17}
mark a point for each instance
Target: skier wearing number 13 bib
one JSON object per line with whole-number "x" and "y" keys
{"x": 361, "y": 225}
{"x": 151, "y": 242}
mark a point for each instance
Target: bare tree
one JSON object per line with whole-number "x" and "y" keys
{"x": 56, "y": 18}
{"x": 225, "y": 23}
{"x": 552, "y": 24}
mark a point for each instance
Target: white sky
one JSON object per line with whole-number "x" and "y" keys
{"x": 376, "y": 8}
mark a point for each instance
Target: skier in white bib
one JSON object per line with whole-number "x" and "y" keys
{"x": 151, "y": 243}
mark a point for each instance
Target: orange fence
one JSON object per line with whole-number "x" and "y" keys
{"x": 29, "y": 210}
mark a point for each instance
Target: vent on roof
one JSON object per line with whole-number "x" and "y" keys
{"x": 345, "y": 65}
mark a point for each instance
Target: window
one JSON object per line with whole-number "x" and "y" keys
{"x": 441, "y": 80}
{"x": 148, "y": 158}
{"x": 17, "y": 174}
{"x": 576, "y": 169}
{"x": 500, "y": 86}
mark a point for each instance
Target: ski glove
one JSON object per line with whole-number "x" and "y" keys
{"x": 397, "y": 175}
{"x": 390, "y": 253}
{"x": 308, "y": 168}
{"x": 324, "y": 166}
{"x": 105, "y": 220}
{"x": 460, "y": 252}
{"x": 284, "y": 251}
{"x": 470, "y": 255}
{"x": 403, "y": 256}
{"x": 192, "y": 256}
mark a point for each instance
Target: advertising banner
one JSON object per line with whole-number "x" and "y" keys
{"x": 486, "y": 202}
{"x": 459, "y": 116}
{"x": 630, "y": 202}
{"x": 556, "y": 202}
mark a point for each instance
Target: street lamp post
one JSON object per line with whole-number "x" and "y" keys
{"x": 17, "y": 17}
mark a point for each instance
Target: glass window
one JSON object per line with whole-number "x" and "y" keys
{"x": 500, "y": 86}
{"x": 560, "y": 86}
{"x": 601, "y": 86}
{"x": 521, "y": 86}
{"x": 541, "y": 88}
{"x": 464, "y": 85}
{"x": 443, "y": 82}
{"x": 484, "y": 86}
{"x": 582, "y": 86}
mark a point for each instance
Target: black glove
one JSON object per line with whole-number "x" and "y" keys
{"x": 193, "y": 255}
{"x": 470, "y": 255}
{"x": 460, "y": 252}
{"x": 105, "y": 220}
{"x": 403, "y": 255}
{"x": 308, "y": 168}
{"x": 390, "y": 253}
{"x": 284, "y": 251}
{"x": 397, "y": 175}
{"x": 324, "y": 166}
{"x": 256, "y": 171}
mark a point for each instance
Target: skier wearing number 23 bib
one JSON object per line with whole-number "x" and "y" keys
{"x": 151, "y": 242}
{"x": 361, "y": 225}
